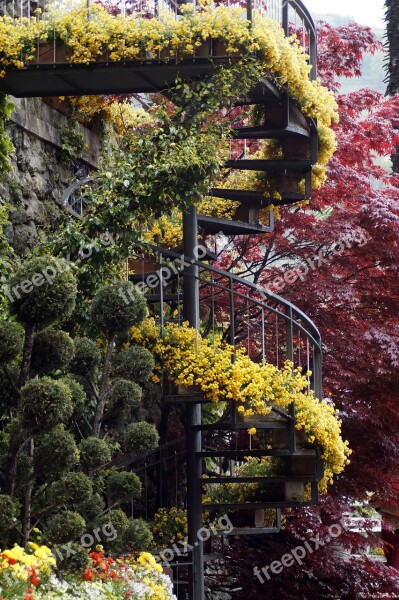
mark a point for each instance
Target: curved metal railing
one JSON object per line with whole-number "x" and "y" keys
{"x": 292, "y": 15}
{"x": 240, "y": 311}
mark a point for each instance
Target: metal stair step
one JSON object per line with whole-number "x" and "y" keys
{"x": 213, "y": 225}
{"x": 271, "y": 166}
{"x": 255, "y": 505}
{"x": 231, "y": 426}
{"x": 241, "y": 454}
{"x": 152, "y": 298}
{"x": 261, "y": 132}
{"x": 182, "y": 398}
{"x": 255, "y": 199}
{"x": 265, "y": 479}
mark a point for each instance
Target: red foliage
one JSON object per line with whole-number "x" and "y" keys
{"x": 353, "y": 298}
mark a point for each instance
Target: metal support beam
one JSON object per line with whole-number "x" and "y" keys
{"x": 193, "y": 413}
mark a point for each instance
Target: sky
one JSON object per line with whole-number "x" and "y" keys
{"x": 366, "y": 12}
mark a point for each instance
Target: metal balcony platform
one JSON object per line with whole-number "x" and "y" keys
{"x": 214, "y": 225}
{"x": 64, "y": 79}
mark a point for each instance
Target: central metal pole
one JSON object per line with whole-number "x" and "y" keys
{"x": 193, "y": 413}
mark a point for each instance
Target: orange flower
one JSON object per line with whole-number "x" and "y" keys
{"x": 88, "y": 574}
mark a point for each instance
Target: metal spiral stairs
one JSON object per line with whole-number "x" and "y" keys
{"x": 272, "y": 329}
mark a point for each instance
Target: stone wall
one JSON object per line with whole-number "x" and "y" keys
{"x": 37, "y": 179}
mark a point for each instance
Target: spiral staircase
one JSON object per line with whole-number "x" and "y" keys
{"x": 272, "y": 329}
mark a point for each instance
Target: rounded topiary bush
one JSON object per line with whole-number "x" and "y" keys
{"x": 87, "y": 357}
{"x": 71, "y": 488}
{"x": 52, "y": 350}
{"x": 74, "y": 559}
{"x": 44, "y": 291}
{"x": 45, "y": 403}
{"x": 78, "y": 394}
{"x": 11, "y": 341}
{"x": 55, "y": 452}
{"x": 138, "y": 536}
{"x": 124, "y": 394}
{"x": 141, "y": 437}
{"x": 113, "y": 525}
{"x": 93, "y": 453}
{"x": 64, "y": 527}
{"x": 91, "y": 508}
{"x": 135, "y": 363}
{"x": 115, "y": 308}
{"x": 123, "y": 486}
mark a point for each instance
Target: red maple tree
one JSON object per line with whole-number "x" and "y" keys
{"x": 345, "y": 245}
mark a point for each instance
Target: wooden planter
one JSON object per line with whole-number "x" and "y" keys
{"x": 146, "y": 264}
{"x": 51, "y": 52}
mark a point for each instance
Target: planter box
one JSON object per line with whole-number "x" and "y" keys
{"x": 51, "y": 52}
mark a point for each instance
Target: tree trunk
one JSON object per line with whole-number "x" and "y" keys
{"x": 27, "y": 354}
{"x": 27, "y": 503}
{"x": 103, "y": 390}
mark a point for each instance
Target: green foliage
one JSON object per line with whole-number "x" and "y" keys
{"x": 44, "y": 291}
{"x": 72, "y": 143}
{"x": 122, "y": 398}
{"x": 91, "y": 508}
{"x": 117, "y": 519}
{"x": 55, "y": 452}
{"x": 116, "y": 308}
{"x": 141, "y": 437}
{"x": 71, "y": 488}
{"x": 135, "y": 364}
{"x": 123, "y": 486}
{"x": 87, "y": 357}
{"x": 73, "y": 561}
{"x": 94, "y": 452}
{"x": 11, "y": 341}
{"x": 6, "y": 146}
{"x": 64, "y": 527}
{"x": 138, "y": 536}
{"x": 52, "y": 350}
{"x": 169, "y": 164}
{"x": 78, "y": 395}
{"x": 8, "y": 513}
{"x": 6, "y": 253}
{"x": 45, "y": 403}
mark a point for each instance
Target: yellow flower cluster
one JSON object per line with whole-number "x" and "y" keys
{"x": 191, "y": 360}
{"x": 22, "y": 562}
{"x": 116, "y": 38}
{"x": 168, "y": 523}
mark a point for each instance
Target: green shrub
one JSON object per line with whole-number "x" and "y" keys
{"x": 123, "y": 486}
{"x": 71, "y": 560}
{"x": 52, "y": 350}
{"x": 116, "y": 308}
{"x": 64, "y": 527}
{"x": 141, "y": 437}
{"x": 45, "y": 403}
{"x": 135, "y": 363}
{"x": 11, "y": 341}
{"x": 124, "y": 394}
{"x": 55, "y": 452}
{"x": 71, "y": 488}
{"x": 137, "y": 536}
{"x": 87, "y": 357}
{"x": 39, "y": 300}
{"x": 8, "y": 514}
{"x": 79, "y": 397}
{"x": 91, "y": 508}
{"x": 116, "y": 522}
{"x": 93, "y": 453}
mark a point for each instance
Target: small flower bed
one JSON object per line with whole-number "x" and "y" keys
{"x": 32, "y": 575}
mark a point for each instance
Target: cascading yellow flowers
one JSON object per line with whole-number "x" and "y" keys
{"x": 191, "y": 360}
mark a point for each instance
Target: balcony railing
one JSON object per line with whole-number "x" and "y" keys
{"x": 292, "y": 15}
